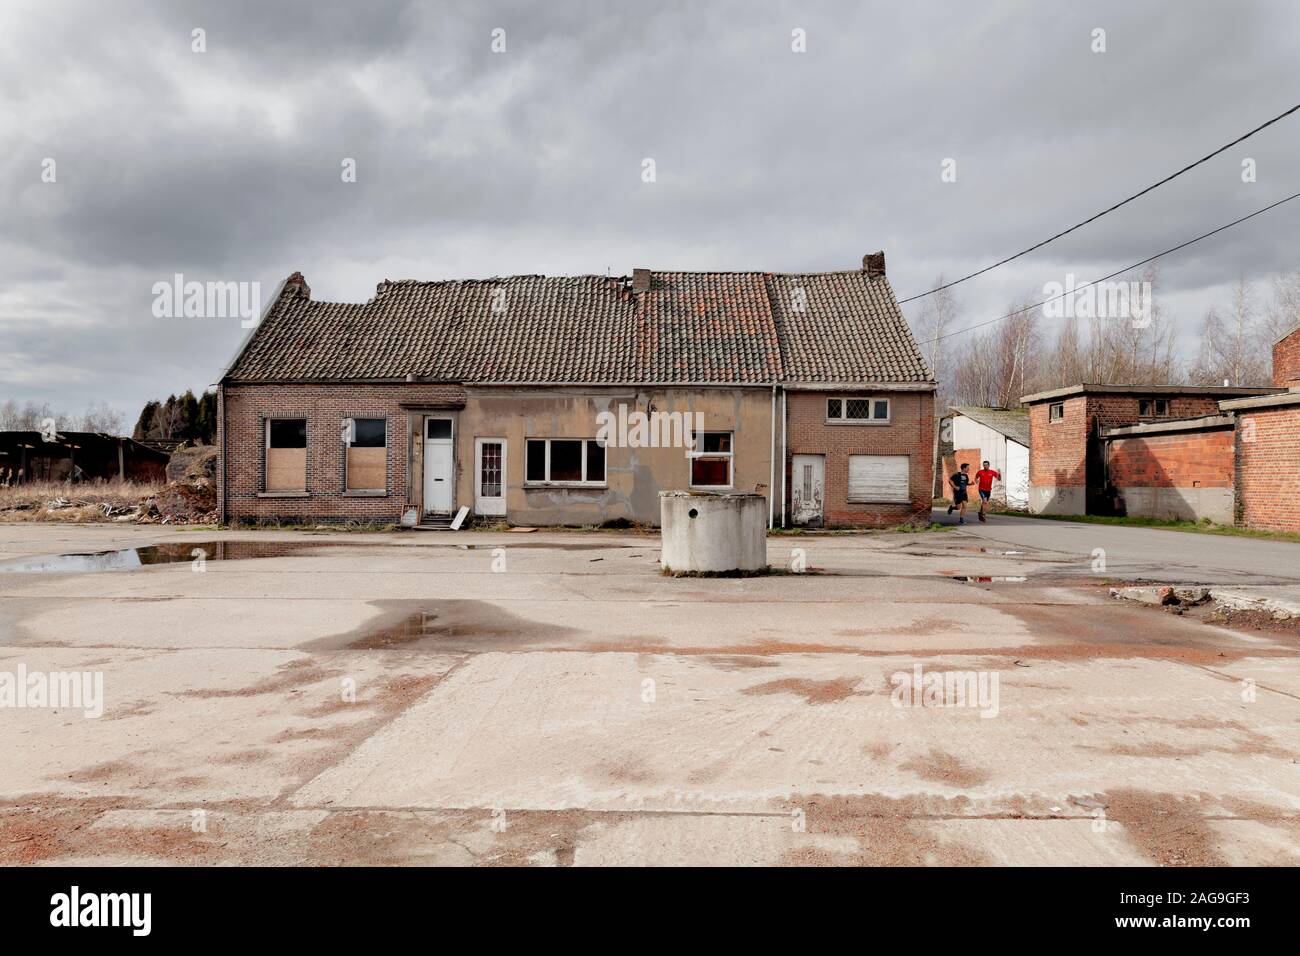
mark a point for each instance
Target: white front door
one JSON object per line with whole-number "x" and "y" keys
{"x": 438, "y": 460}
{"x": 490, "y": 476}
{"x": 809, "y": 475}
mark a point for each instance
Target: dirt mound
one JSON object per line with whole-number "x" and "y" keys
{"x": 193, "y": 462}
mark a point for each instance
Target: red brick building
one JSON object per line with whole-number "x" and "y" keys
{"x": 1068, "y": 456}
{"x": 1267, "y": 459}
{"x": 1230, "y": 455}
{"x": 576, "y": 400}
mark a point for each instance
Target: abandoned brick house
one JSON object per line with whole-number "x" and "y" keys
{"x": 576, "y": 400}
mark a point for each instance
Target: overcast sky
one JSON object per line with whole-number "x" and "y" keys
{"x": 225, "y": 165}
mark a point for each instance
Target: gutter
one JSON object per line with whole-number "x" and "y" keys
{"x": 771, "y": 458}
{"x": 783, "y": 450}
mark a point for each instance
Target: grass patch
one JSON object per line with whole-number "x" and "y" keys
{"x": 1204, "y": 526}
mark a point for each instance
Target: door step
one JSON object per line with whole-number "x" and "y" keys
{"x": 435, "y": 522}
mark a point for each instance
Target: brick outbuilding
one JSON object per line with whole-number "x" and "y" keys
{"x": 1068, "y": 471}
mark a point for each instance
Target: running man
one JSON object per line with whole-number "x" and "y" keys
{"x": 959, "y": 481}
{"x": 984, "y": 480}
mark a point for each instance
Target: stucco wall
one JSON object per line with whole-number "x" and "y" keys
{"x": 634, "y": 476}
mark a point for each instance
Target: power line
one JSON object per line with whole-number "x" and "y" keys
{"x": 1137, "y": 195}
{"x": 1184, "y": 245}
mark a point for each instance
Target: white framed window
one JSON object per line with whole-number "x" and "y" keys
{"x": 365, "y": 463}
{"x": 564, "y": 461}
{"x": 859, "y": 409}
{"x": 712, "y": 459}
{"x": 1056, "y": 412}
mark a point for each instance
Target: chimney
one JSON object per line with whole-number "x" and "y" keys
{"x": 640, "y": 280}
{"x": 297, "y": 285}
{"x": 873, "y": 264}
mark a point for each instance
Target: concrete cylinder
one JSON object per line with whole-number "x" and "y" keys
{"x": 712, "y": 532}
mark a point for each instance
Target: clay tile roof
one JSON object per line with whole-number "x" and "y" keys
{"x": 690, "y": 327}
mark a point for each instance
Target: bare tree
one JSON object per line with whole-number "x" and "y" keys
{"x": 102, "y": 417}
{"x": 1230, "y": 350}
{"x": 938, "y": 317}
{"x": 1002, "y": 362}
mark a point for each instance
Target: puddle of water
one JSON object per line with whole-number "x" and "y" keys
{"x": 446, "y": 624}
{"x": 989, "y": 578}
{"x": 126, "y": 559}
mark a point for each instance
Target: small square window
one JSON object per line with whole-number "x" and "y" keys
{"x": 834, "y": 408}
{"x": 287, "y": 433}
{"x": 1056, "y": 411}
{"x": 1153, "y": 408}
{"x": 880, "y": 410}
{"x": 437, "y": 428}
{"x": 857, "y": 408}
{"x": 368, "y": 433}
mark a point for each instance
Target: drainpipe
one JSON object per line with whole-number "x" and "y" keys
{"x": 771, "y": 482}
{"x": 223, "y": 489}
{"x": 783, "y": 418}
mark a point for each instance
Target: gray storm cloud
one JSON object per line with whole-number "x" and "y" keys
{"x": 225, "y": 165}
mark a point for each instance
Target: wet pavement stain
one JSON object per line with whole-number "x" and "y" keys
{"x": 443, "y": 625}
{"x": 125, "y": 559}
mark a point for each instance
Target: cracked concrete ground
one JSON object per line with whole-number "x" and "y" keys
{"x": 425, "y": 698}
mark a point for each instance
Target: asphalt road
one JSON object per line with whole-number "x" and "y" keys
{"x": 1146, "y": 553}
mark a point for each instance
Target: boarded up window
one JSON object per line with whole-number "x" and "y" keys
{"x": 367, "y": 455}
{"x": 286, "y": 454}
{"x": 879, "y": 479}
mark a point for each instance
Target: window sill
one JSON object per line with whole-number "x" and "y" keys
{"x": 284, "y": 494}
{"x": 366, "y": 493}
{"x": 575, "y": 485}
{"x": 858, "y": 421}
{"x": 713, "y": 488}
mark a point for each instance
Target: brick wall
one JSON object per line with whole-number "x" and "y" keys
{"x": 242, "y": 410}
{"x": 910, "y": 432}
{"x": 1189, "y": 459}
{"x": 1060, "y": 448}
{"x": 1286, "y": 361}
{"x": 1268, "y": 468}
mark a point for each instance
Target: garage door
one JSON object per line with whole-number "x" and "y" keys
{"x": 881, "y": 479}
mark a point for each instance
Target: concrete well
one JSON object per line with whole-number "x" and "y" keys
{"x": 712, "y": 532}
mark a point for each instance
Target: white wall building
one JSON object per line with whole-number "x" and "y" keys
{"x": 1002, "y": 437}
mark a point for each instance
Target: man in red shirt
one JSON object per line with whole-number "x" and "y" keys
{"x": 984, "y": 478}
